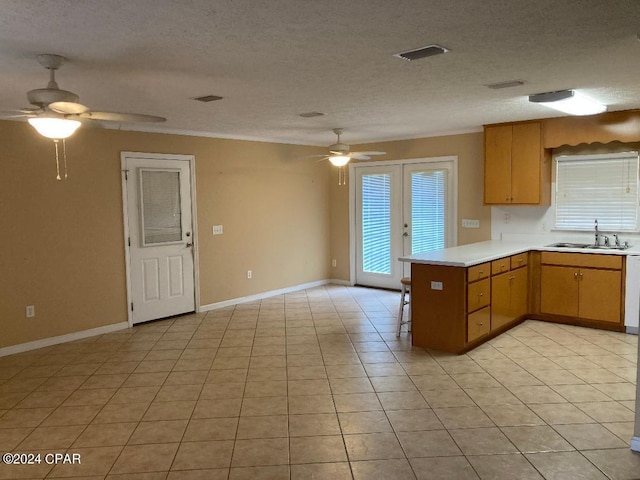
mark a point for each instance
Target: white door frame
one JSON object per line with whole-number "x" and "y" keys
{"x": 125, "y": 215}
{"x": 352, "y": 201}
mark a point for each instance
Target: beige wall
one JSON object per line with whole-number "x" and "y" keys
{"x": 62, "y": 249}
{"x": 469, "y": 150}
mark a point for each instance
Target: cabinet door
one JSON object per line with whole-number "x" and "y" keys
{"x": 478, "y": 295}
{"x": 478, "y": 324}
{"x": 559, "y": 290}
{"x": 519, "y": 283}
{"x": 497, "y": 164}
{"x": 526, "y": 159}
{"x": 600, "y": 295}
{"x": 500, "y": 300}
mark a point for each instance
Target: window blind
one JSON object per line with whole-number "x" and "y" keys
{"x": 428, "y": 210}
{"x": 376, "y": 223}
{"x": 602, "y": 187}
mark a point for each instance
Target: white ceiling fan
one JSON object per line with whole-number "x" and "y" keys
{"x": 57, "y": 114}
{"x": 340, "y": 154}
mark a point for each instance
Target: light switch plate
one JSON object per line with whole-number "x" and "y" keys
{"x": 217, "y": 229}
{"x": 436, "y": 285}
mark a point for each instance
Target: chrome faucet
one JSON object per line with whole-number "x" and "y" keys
{"x": 617, "y": 240}
{"x": 597, "y": 242}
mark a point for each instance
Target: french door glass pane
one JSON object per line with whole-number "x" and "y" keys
{"x": 376, "y": 223}
{"x": 428, "y": 210}
{"x": 161, "y": 214}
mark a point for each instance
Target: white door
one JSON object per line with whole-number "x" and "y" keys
{"x": 401, "y": 209}
{"x": 158, "y": 201}
{"x": 379, "y": 227}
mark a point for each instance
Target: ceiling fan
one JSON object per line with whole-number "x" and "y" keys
{"x": 57, "y": 114}
{"x": 340, "y": 154}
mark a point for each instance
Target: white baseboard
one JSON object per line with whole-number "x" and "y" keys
{"x": 69, "y": 337}
{"x": 260, "y": 296}
{"x": 632, "y": 330}
{"x": 337, "y": 281}
{"x": 635, "y": 444}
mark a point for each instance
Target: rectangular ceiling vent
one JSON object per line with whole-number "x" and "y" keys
{"x": 310, "y": 114}
{"x": 207, "y": 98}
{"x": 428, "y": 51}
{"x": 509, "y": 84}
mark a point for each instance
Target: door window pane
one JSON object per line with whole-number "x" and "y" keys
{"x": 161, "y": 215}
{"x": 376, "y": 223}
{"x": 428, "y": 210}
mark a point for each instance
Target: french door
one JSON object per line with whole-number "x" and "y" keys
{"x": 401, "y": 208}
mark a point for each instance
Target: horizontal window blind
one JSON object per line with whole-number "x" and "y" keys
{"x": 428, "y": 210}
{"x": 376, "y": 223}
{"x": 602, "y": 187}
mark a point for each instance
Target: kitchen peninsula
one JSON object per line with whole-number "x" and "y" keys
{"x": 466, "y": 295}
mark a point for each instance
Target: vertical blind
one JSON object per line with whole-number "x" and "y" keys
{"x": 428, "y": 211}
{"x": 597, "y": 187}
{"x": 376, "y": 223}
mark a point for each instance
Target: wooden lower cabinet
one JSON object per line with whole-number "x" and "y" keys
{"x": 586, "y": 293}
{"x": 455, "y": 309}
{"x": 559, "y": 290}
{"x": 478, "y": 324}
{"x": 509, "y": 297}
{"x": 581, "y": 292}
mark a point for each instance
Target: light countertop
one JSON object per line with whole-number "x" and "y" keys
{"x": 481, "y": 252}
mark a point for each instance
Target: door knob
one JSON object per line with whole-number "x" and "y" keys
{"x": 405, "y": 234}
{"x": 189, "y": 245}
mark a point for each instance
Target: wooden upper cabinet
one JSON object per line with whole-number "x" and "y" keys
{"x": 517, "y": 169}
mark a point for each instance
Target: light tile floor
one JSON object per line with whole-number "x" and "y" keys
{"x": 314, "y": 384}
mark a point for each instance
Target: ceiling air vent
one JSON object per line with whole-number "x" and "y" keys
{"x": 207, "y": 98}
{"x": 310, "y": 114}
{"x": 428, "y": 51}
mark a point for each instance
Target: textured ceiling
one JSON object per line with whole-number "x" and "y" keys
{"x": 272, "y": 60}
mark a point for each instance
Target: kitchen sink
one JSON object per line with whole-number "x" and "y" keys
{"x": 589, "y": 246}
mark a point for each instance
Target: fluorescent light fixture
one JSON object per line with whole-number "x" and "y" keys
{"x": 568, "y": 101}
{"x": 56, "y": 128}
{"x": 339, "y": 160}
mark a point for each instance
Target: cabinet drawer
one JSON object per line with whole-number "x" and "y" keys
{"x": 500, "y": 266}
{"x": 592, "y": 260}
{"x": 478, "y": 324}
{"x": 478, "y": 295}
{"x": 478, "y": 272}
{"x": 519, "y": 260}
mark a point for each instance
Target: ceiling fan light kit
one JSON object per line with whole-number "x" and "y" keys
{"x": 54, "y": 128}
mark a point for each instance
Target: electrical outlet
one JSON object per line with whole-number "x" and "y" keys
{"x": 30, "y": 311}
{"x": 217, "y": 229}
{"x": 466, "y": 223}
{"x": 249, "y": 274}
{"x": 333, "y": 262}
{"x": 507, "y": 218}
{"x": 436, "y": 286}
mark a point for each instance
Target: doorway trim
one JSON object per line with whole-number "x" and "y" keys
{"x": 352, "y": 201}
{"x": 125, "y": 216}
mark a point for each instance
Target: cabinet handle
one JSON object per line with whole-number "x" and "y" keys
{"x": 481, "y": 323}
{"x": 575, "y": 275}
{"x": 520, "y": 260}
{"x": 482, "y": 294}
{"x": 512, "y": 278}
{"x": 580, "y": 274}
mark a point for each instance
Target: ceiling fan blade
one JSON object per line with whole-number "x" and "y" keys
{"x": 122, "y": 117}
{"x": 360, "y": 156}
{"x": 369, "y": 153}
{"x": 69, "y": 108}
